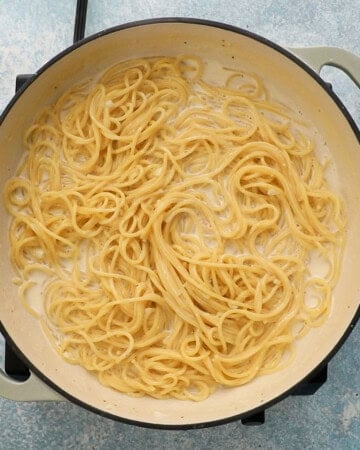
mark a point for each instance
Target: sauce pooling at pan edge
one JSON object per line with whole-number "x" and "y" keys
{"x": 168, "y": 223}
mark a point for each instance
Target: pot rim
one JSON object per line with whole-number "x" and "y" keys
{"x": 329, "y": 91}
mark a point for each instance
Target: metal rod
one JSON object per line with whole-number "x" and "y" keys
{"x": 80, "y": 20}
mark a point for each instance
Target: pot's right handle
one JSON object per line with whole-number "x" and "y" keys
{"x": 32, "y": 389}
{"x": 317, "y": 57}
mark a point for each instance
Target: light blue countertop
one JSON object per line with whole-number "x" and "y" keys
{"x": 33, "y": 31}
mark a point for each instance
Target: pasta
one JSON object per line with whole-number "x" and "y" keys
{"x": 174, "y": 222}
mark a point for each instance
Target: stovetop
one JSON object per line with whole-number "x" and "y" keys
{"x": 15, "y": 367}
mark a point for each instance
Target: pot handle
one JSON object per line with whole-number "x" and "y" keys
{"x": 317, "y": 57}
{"x": 32, "y": 389}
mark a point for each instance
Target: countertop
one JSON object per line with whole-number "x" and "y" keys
{"x": 33, "y": 31}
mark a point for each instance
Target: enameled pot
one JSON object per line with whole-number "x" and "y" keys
{"x": 299, "y": 85}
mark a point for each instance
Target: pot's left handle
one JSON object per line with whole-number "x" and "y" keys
{"x": 32, "y": 389}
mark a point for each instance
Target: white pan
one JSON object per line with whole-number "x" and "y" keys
{"x": 299, "y": 85}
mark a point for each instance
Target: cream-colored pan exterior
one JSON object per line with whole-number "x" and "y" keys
{"x": 227, "y": 48}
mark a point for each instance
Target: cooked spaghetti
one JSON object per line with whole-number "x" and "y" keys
{"x": 174, "y": 221}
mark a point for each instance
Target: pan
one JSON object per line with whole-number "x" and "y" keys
{"x": 54, "y": 379}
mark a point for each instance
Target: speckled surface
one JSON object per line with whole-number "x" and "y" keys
{"x": 31, "y": 32}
